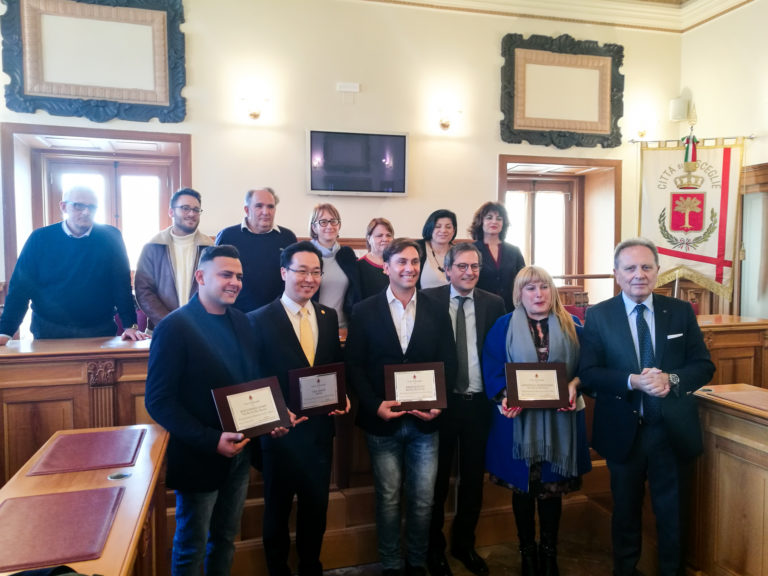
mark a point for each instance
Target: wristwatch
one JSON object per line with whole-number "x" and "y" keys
{"x": 136, "y": 327}
{"x": 674, "y": 383}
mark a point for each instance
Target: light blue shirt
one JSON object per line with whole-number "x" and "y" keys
{"x": 473, "y": 359}
{"x": 650, "y": 319}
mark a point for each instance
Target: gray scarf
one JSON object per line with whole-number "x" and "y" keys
{"x": 544, "y": 435}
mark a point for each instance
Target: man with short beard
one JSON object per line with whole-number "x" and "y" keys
{"x": 165, "y": 274}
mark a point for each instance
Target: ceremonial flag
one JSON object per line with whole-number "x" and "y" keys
{"x": 688, "y": 207}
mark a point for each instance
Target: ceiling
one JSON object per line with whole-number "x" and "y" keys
{"x": 662, "y": 15}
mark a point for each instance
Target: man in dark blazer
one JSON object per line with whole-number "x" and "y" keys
{"x": 399, "y": 326}
{"x": 205, "y": 344}
{"x": 643, "y": 355}
{"x": 298, "y": 464}
{"x": 467, "y": 420}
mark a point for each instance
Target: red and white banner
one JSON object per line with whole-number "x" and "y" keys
{"x": 691, "y": 215}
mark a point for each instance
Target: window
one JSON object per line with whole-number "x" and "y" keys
{"x": 542, "y": 215}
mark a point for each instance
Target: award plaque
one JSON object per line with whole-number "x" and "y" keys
{"x": 252, "y": 408}
{"x": 418, "y": 386}
{"x": 537, "y": 384}
{"x": 317, "y": 390}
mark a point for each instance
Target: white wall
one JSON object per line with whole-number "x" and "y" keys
{"x": 723, "y": 64}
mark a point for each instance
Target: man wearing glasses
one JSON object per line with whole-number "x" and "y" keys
{"x": 293, "y": 332}
{"x": 165, "y": 274}
{"x": 260, "y": 242}
{"x": 466, "y": 422}
{"x": 75, "y": 273}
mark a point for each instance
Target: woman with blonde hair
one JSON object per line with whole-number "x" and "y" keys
{"x": 340, "y": 288}
{"x": 540, "y": 454}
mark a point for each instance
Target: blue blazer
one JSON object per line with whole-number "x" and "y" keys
{"x": 498, "y": 452}
{"x": 608, "y": 358}
{"x": 183, "y": 369}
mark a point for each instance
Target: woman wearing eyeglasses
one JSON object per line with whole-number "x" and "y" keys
{"x": 436, "y": 239}
{"x": 501, "y": 260}
{"x": 340, "y": 288}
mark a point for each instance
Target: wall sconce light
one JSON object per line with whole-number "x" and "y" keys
{"x": 447, "y": 117}
{"x": 254, "y": 106}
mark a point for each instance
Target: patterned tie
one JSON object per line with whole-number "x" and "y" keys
{"x": 651, "y": 404}
{"x": 462, "y": 378}
{"x": 306, "y": 339}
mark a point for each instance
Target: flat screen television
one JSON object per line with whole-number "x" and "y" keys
{"x": 356, "y": 163}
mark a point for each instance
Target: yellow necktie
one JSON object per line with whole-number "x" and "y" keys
{"x": 306, "y": 339}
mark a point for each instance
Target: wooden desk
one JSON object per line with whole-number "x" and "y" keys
{"x": 136, "y": 542}
{"x": 739, "y": 348}
{"x": 729, "y": 534}
{"x": 51, "y": 385}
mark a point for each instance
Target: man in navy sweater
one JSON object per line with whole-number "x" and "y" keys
{"x": 259, "y": 242}
{"x": 75, "y": 273}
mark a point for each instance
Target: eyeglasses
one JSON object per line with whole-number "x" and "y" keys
{"x": 80, "y": 207}
{"x": 307, "y": 273}
{"x": 462, "y": 266}
{"x": 323, "y": 223}
{"x": 187, "y": 209}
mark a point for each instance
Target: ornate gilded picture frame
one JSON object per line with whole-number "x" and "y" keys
{"x": 561, "y": 92}
{"x": 42, "y": 39}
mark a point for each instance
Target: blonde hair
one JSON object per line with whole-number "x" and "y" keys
{"x": 536, "y": 274}
{"x": 319, "y": 209}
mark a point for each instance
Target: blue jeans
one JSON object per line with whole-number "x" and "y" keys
{"x": 207, "y": 523}
{"x": 412, "y": 453}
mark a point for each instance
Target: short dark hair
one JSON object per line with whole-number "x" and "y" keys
{"x": 398, "y": 245}
{"x": 629, "y": 243}
{"x": 185, "y": 192}
{"x": 286, "y": 256}
{"x": 460, "y": 248}
{"x": 476, "y": 228}
{"x": 429, "y": 225}
{"x": 222, "y": 251}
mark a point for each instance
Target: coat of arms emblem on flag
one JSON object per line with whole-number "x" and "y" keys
{"x": 688, "y": 207}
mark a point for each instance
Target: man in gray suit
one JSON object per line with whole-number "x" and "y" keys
{"x": 466, "y": 422}
{"x": 643, "y": 355}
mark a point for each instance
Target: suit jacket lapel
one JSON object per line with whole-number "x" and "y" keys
{"x": 661, "y": 320}
{"x": 283, "y": 326}
{"x": 623, "y": 333}
{"x": 480, "y": 313}
{"x": 390, "y": 337}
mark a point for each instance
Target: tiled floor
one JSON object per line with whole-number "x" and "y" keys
{"x": 574, "y": 559}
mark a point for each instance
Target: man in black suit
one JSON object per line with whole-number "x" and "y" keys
{"x": 293, "y": 332}
{"x": 399, "y": 326}
{"x": 205, "y": 344}
{"x": 468, "y": 417}
{"x": 643, "y": 355}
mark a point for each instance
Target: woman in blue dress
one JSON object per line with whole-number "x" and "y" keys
{"x": 540, "y": 454}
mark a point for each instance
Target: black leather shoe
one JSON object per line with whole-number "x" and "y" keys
{"x": 472, "y": 560}
{"x": 415, "y": 570}
{"x": 438, "y": 564}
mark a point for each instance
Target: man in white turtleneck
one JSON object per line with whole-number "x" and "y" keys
{"x": 164, "y": 277}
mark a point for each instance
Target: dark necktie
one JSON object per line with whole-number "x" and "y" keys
{"x": 462, "y": 378}
{"x": 651, "y": 404}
